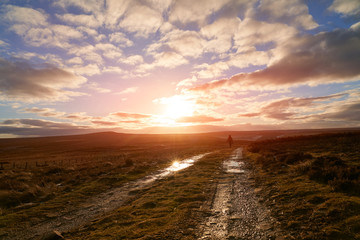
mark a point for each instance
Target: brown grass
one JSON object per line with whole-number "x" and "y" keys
{"x": 311, "y": 184}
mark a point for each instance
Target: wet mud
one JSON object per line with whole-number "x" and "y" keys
{"x": 236, "y": 212}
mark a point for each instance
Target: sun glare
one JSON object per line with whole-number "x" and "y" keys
{"x": 178, "y": 107}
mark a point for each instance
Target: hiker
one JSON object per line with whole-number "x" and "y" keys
{"x": 230, "y": 140}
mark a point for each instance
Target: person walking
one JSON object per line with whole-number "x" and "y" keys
{"x": 230, "y": 141}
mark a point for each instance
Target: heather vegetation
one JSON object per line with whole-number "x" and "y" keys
{"x": 311, "y": 183}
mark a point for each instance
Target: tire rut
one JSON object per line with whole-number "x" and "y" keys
{"x": 236, "y": 212}
{"x": 73, "y": 217}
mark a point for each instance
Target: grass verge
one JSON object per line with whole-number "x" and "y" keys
{"x": 170, "y": 209}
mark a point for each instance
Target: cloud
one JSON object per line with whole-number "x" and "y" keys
{"x": 346, "y": 7}
{"x": 105, "y": 123}
{"x": 130, "y": 115}
{"x": 78, "y": 117}
{"x": 141, "y": 20}
{"x": 35, "y": 29}
{"x": 4, "y": 44}
{"x": 198, "y": 119}
{"x": 294, "y": 108}
{"x": 348, "y": 112}
{"x": 37, "y": 127}
{"x": 132, "y": 60}
{"x": 120, "y": 39}
{"x": 21, "y": 81}
{"x": 292, "y": 12}
{"x": 115, "y": 10}
{"x": 220, "y": 34}
{"x": 212, "y": 70}
{"x": 23, "y": 15}
{"x": 128, "y": 90}
{"x": 187, "y": 82}
{"x": 36, "y": 123}
{"x": 164, "y": 59}
{"x": 87, "y": 52}
{"x": 109, "y": 50}
{"x": 184, "y": 43}
{"x": 44, "y": 112}
{"x": 323, "y": 58}
{"x": 187, "y": 11}
{"x": 95, "y": 86}
{"x": 79, "y": 20}
{"x": 87, "y": 70}
{"x": 88, "y": 6}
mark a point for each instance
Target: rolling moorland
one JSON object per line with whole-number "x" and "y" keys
{"x": 308, "y": 180}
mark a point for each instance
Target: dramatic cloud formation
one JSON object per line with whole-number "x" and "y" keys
{"x": 290, "y": 108}
{"x": 323, "y": 58}
{"x": 136, "y": 64}
{"x": 21, "y": 81}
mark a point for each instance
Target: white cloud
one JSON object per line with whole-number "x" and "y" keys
{"x": 212, "y": 70}
{"x": 128, "y": 90}
{"x": 132, "y": 60}
{"x": 220, "y": 34}
{"x": 159, "y": 5}
{"x": 187, "y": 11}
{"x": 184, "y": 43}
{"x": 87, "y": 70}
{"x": 113, "y": 69}
{"x": 109, "y": 50}
{"x": 165, "y": 59}
{"x": 95, "y": 86}
{"x": 115, "y": 10}
{"x": 292, "y": 12}
{"x": 75, "y": 60}
{"x": 88, "y": 6}
{"x": 3, "y": 44}
{"x": 355, "y": 27}
{"x": 141, "y": 20}
{"x": 186, "y": 82}
{"x": 79, "y": 20}
{"x": 23, "y": 15}
{"x": 346, "y": 7}
{"x": 120, "y": 39}
{"x": 87, "y": 52}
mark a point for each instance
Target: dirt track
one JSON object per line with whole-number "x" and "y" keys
{"x": 235, "y": 212}
{"x": 96, "y": 206}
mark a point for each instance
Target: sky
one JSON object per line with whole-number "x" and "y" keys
{"x": 77, "y": 66}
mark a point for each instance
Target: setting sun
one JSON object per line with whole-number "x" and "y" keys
{"x": 177, "y": 107}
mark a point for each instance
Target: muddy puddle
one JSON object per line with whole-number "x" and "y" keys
{"x": 234, "y": 163}
{"x": 235, "y": 211}
{"x": 98, "y": 205}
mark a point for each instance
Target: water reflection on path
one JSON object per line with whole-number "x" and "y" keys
{"x": 233, "y": 164}
{"x": 98, "y": 205}
{"x": 176, "y": 166}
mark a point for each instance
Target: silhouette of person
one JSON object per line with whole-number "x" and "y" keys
{"x": 230, "y": 141}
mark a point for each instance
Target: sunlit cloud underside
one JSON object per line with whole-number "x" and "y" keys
{"x": 151, "y": 66}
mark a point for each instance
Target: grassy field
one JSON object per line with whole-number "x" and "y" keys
{"x": 311, "y": 184}
{"x": 46, "y": 174}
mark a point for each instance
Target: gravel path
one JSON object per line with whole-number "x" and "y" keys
{"x": 96, "y": 206}
{"x": 236, "y": 212}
